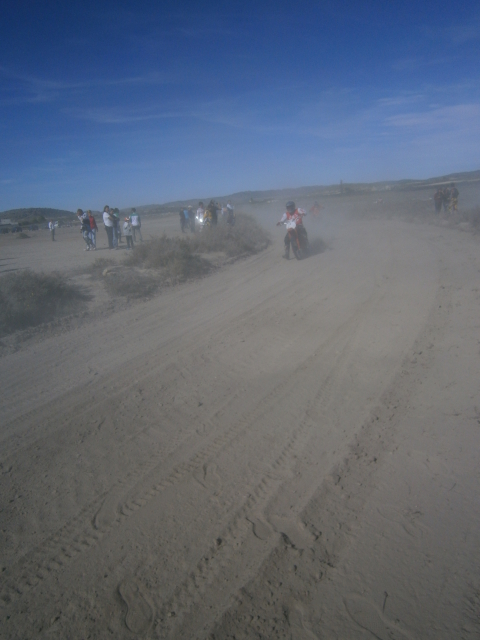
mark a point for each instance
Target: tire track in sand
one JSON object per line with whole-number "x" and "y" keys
{"x": 215, "y": 565}
{"x": 80, "y": 534}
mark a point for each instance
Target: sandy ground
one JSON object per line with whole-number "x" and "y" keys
{"x": 281, "y": 450}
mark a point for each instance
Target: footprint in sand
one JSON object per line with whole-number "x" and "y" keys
{"x": 139, "y": 616}
{"x": 408, "y": 519}
{"x": 260, "y": 528}
{"x": 298, "y": 536}
{"x": 298, "y": 621}
{"x": 368, "y": 617}
{"x": 107, "y": 514}
{"x": 209, "y": 478}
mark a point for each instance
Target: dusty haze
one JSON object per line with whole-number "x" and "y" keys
{"x": 284, "y": 449}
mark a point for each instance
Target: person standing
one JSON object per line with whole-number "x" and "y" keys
{"x": 200, "y": 217}
{"x": 93, "y": 229}
{"x": 108, "y": 222}
{"x": 51, "y": 226}
{"x": 446, "y": 199}
{"x": 136, "y": 225}
{"x": 85, "y": 228}
{"x": 230, "y": 213}
{"x": 191, "y": 218}
{"x": 213, "y": 209}
{"x": 117, "y": 232}
{"x": 454, "y": 193}
{"x": 438, "y": 200}
{"x": 127, "y": 232}
{"x": 181, "y": 213}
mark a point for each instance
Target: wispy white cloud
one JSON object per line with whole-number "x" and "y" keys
{"x": 21, "y": 88}
{"x": 401, "y": 100}
{"x": 455, "y": 34}
{"x": 118, "y": 115}
{"x": 460, "y": 117}
{"x": 416, "y": 63}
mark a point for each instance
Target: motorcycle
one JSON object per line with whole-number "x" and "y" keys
{"x": 298, "y": 241}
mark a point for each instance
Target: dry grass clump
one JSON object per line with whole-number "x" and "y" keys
{"x": 180, "y": 258}
{"x": 100, "y": 264}
{"x": 245, "y": 237}
{"x": 173, "y": 260}
{"x": 22, "y": 235}
{"x": 175, "y": 257}
{"x": 130, "y": 283}
{"x": 27, "y": 299}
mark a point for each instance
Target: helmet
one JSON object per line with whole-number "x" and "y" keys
{"x": 290, "y": 206}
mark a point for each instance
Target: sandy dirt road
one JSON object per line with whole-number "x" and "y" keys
{"x": 281, "y": 450}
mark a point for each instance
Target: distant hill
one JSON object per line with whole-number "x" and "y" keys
{"x": 36, "y": 212}
{"x": 264, "y": 197}
{"x": 313, "y": 192}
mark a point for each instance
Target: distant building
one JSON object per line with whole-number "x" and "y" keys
{"x": 5, "y": 221}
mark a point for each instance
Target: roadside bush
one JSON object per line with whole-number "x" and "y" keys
{"x": 246, "y": 236}
{"x": 27, "y": 299}
{"x": 173, "y": 256}
{"x": 100, "y": 264}
{"x": 180, "y": 259}
{"x": 130, "y": 284}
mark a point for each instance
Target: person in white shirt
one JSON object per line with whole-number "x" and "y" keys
{"x": 127, "y": 232}
{"x": 136, "y": 225}
{"x": 85, "y": 229}
{"x": 200, "y": 214}
{"x": 230, "y": 213}
{"x": 108, "y": 221}
{"x": 51, "y": 226}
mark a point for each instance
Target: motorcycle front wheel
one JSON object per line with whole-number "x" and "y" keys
{"x": 296, "y": 251}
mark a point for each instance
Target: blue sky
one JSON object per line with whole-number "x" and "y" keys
{"x": 138, "y": 103}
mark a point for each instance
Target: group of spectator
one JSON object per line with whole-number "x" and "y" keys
{"x": 447, "y": 198}
{"x": 114, "y": 228}
{"x": 206, "y": 216}
{"x": 131, "y": 225}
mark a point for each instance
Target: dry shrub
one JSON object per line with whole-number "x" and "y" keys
{"x": 245, "y": 237}
{"x": 27, "y": 299}
{"x": 173, "y": 256}
{"x": 179, "y": 257}
{"x": 172, "y": 260}
{"x": 99, "y": 265}
{"x": 130, "y": 283}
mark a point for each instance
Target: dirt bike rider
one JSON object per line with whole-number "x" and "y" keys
{"x": 296, "y": 214}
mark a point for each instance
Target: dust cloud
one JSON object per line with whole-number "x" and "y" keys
{"x": 275, "y": 450}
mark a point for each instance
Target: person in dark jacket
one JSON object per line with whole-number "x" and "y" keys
{"x": 85, "y": 229}
{"x": 438, "y": 200}
{"x": 93, "y": 228}
{"x": 213, "y": 208}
